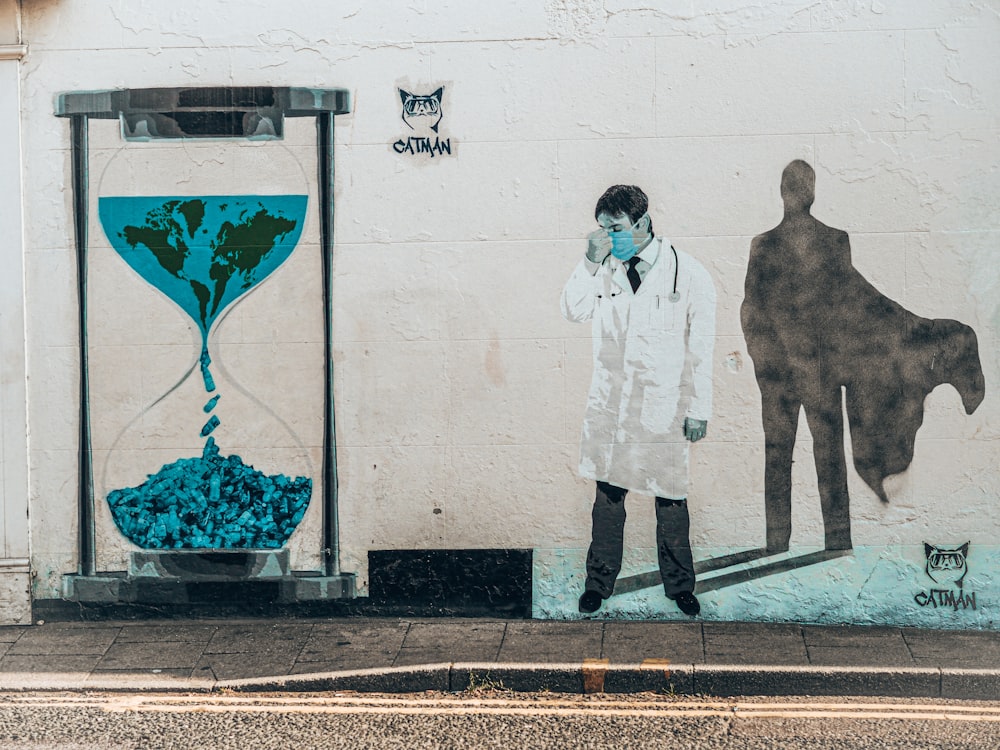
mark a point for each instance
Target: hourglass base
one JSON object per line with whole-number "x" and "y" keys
{"x": 226, "y": 578}
{"x": 219, "y": 565}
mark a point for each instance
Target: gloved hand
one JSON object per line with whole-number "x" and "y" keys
{"x": 598, "y": 246}
{"x": 695, "y": 429}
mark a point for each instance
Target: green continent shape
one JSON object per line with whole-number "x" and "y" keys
{"x": 240, "y": 248}
{"x": 163, "y": 236}
{"x": 194, "y": 212}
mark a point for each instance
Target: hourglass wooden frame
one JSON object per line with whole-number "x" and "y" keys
{"x": 192, "y": 113}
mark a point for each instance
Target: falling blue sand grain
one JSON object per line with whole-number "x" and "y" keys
{"x": 210, "y": 426}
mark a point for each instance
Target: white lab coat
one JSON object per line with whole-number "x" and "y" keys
{"x": 652, "y": 368}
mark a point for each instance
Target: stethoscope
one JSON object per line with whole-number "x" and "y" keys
{"x": 674, "y": 296}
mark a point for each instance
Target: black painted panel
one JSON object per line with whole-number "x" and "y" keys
{"x": 234, "y": 591}
{"x": 472, "y": 581}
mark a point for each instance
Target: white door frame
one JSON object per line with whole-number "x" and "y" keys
{"x": 15, "y": 571}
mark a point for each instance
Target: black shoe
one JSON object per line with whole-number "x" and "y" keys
{"x": 687, "y": 603}
{"x": 590, "y": 601}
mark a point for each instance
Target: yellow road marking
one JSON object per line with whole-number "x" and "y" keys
{"x": 656, "y": 665}
{"x": 594, "y": 672}
{"x": 511, "y": 707}
{"x": 668, "y": 712}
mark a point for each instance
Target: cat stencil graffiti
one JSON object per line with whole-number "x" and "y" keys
{"x": 947, "y": 567}
{"x": 422, "y": 114}
{"x": 416, "y": 106}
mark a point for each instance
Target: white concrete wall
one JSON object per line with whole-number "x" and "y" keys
{"x": 459, "y": 388}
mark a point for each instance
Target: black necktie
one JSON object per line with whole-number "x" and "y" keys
{"x": 632, "y": 273}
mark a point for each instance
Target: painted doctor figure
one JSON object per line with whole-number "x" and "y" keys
{"x": 652, "y": 309}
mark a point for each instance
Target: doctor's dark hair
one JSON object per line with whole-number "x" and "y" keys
{"x": 624, "y": 199}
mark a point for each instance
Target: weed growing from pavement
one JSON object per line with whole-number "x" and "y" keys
{"x": 483, "y": 683}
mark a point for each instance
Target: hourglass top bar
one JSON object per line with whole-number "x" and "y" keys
{"x": 256, "y": 112}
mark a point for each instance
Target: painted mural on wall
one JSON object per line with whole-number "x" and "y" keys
{"x": 204, "y": 254}
{"x": 652, "y": 310}
{"x": 814, "y": 325}
{"x": 823, "y": 341}
{"x": 422, "y": 115}
{"x": 205, "y": 433}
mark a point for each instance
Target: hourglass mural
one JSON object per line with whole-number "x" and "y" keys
{"x": 199, "y": 461}
{"x": 204, "y": 254}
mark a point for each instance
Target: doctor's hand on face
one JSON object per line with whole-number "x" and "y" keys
{"x": 598, "y": 246}
{"x": 695, "y": 429}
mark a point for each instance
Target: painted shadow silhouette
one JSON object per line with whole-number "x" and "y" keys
{"x": 814, "y": 326}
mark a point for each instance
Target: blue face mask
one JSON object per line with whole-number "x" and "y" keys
{"x": 623, "y": 244}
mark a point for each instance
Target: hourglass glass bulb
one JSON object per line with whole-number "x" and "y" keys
{"x": 205, "y": 252}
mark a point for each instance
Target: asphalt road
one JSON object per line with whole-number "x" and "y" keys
{"x": 487, "y": 719}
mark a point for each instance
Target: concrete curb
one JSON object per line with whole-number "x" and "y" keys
{"x": 594, "y": 676}
{"x": 413, "y": 679}
{"x": 972, "y": 684}
{"x": 681, "y": 679}
{"x": 23, "y": 682}
{"x": 895, "y": 682}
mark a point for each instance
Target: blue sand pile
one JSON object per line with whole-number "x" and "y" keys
{"x": 211, "y": 502}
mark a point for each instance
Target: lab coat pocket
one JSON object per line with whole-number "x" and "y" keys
{"x": 662, "y": 313}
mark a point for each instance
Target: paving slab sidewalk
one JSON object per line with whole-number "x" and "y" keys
{"x": 413, "y": 654}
